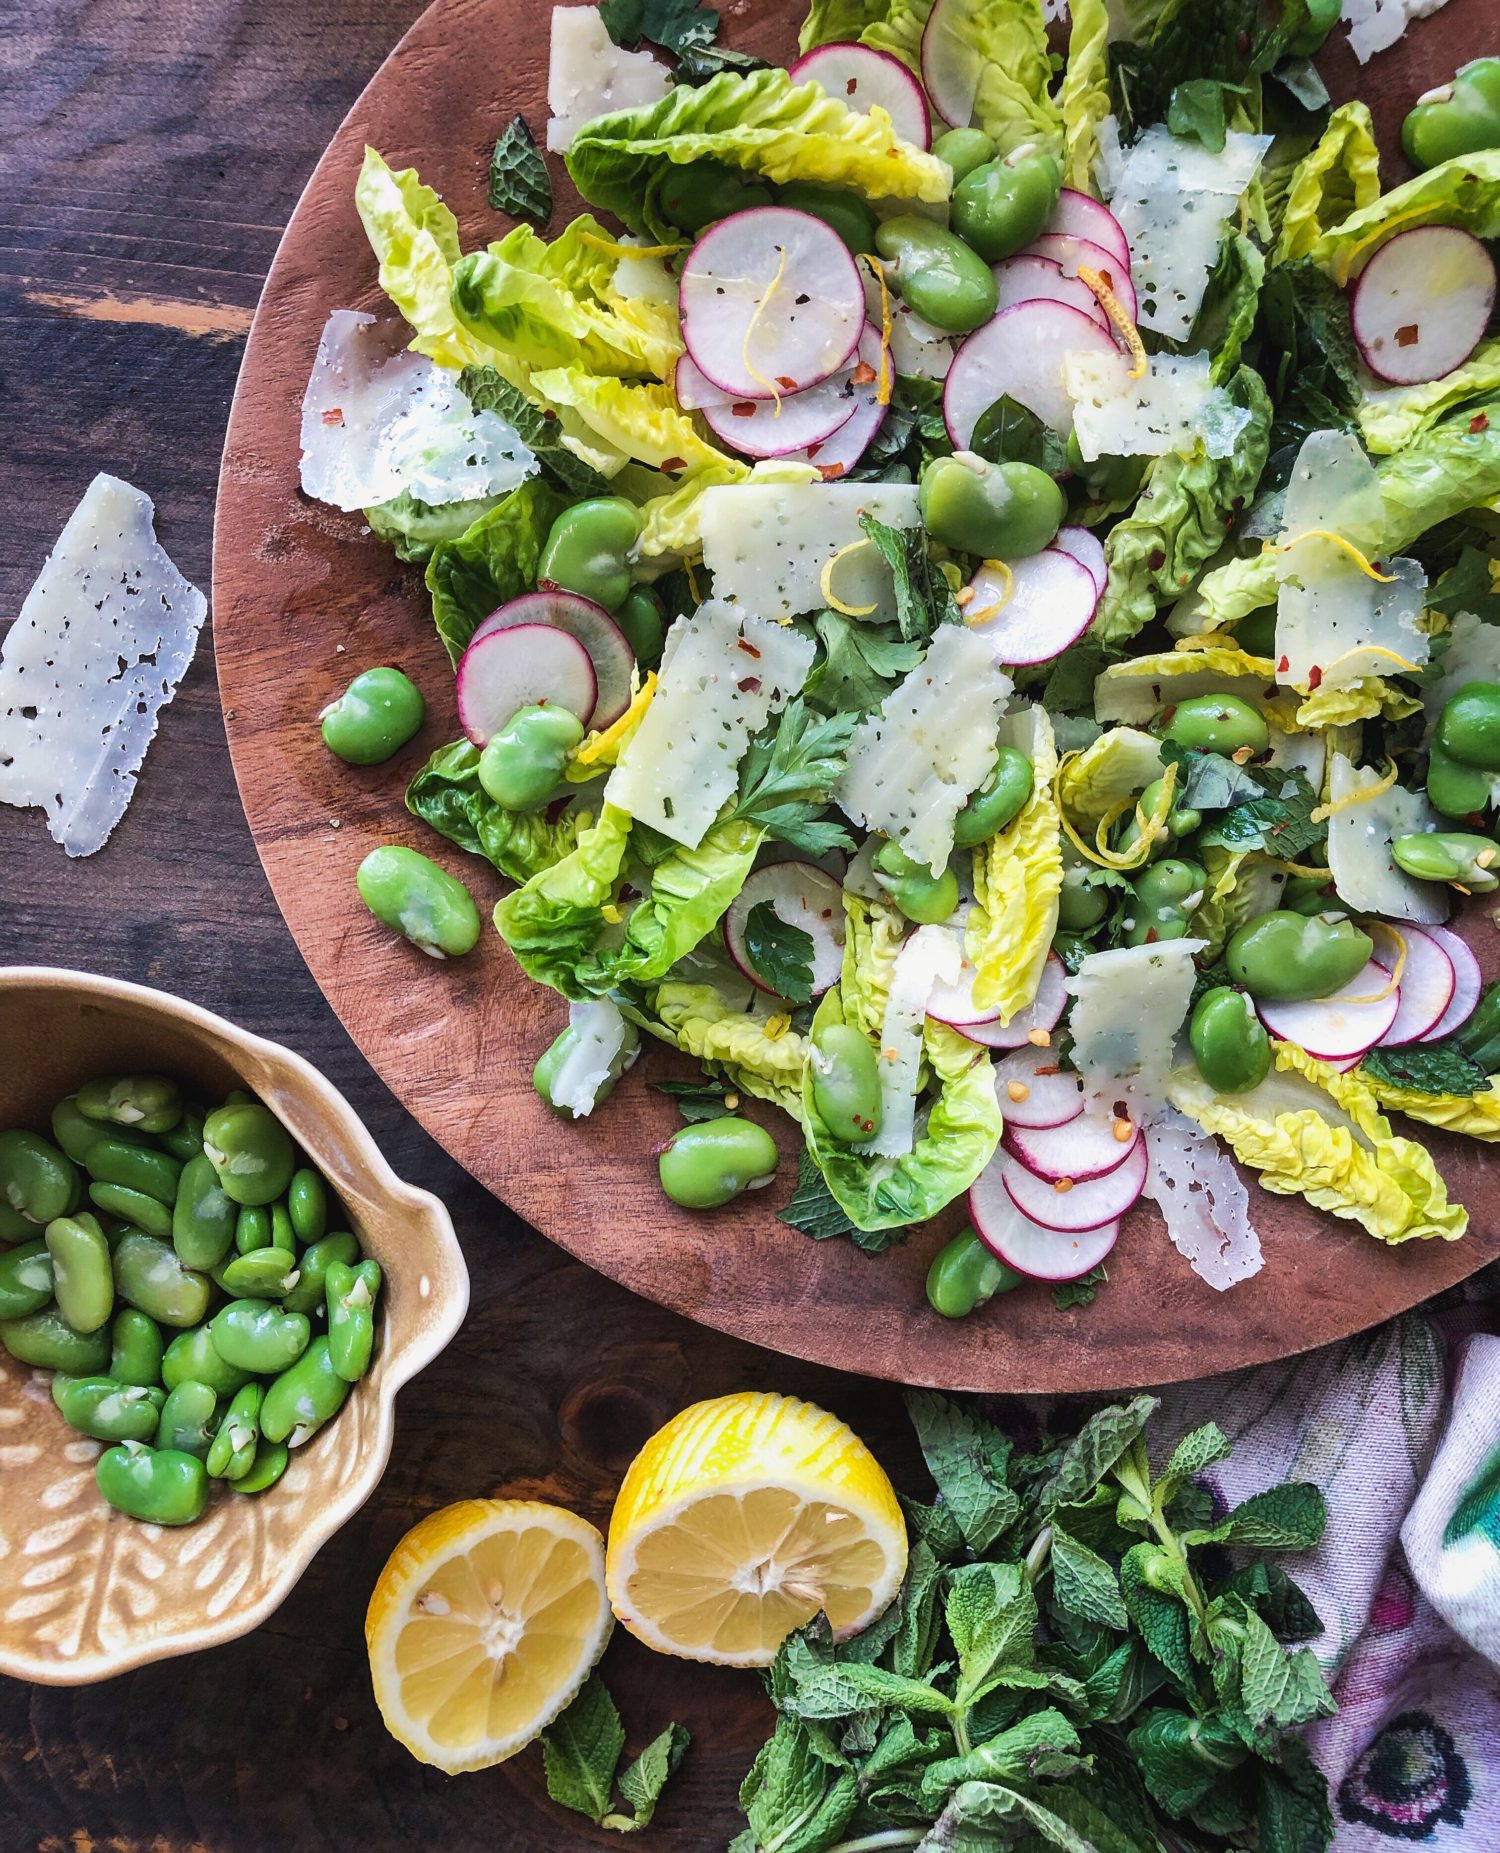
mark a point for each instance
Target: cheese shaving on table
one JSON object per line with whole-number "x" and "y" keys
{"x": 1366, "y": 815}
{"x": 1374, "y": 25}
{"x": 103, "y": 639}
{"x": 1129, "y": 1005}
{"x": 1174, "y": 407}
{"x": 378, "y": 420}
{"x": 912, "y": 765}
{"x": 932, "y": 956}
{"x": 589, "y": 75}
{"x": 1203, "y": 1201}
{"x": 600, "y": 1033}
{"x": 767, "y": 544}
{"x": 723, "y": 674}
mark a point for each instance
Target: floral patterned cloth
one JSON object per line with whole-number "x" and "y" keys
{"x": 1400, "y": 1427}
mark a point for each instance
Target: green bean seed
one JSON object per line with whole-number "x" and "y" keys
{"x": 149, "y": 1276}
{"x": 259, "y": 1336}
{"x": 521, "y": 765}
{"x": 964, "y": 150}
{"x": 37, "y": 1183}
{"x": 305, "y": 1396}
{"x": 232, "y": 1452}
{"x": 966, "y": 1275}
{"x": 919, "y": 894}
{"x": 999, "y": 800}
{"x": 153, "y": 1174}
{"x": 147, "y": 1102}
{"x": 845, "y": 1082}
{"x": 1449, "y": 855}
{"x": 588, "y": 550}
{"x": 107, "y": 1410}
{"x": 1307, "y": 894}
{"x": 192, "y": 1357}
{"x": 553, "y": 1059}
{"x": 640, "y": 618}
{"x": 76, "y": 1134}
{"x": 374, "y": 717}
{"x": 999, "y": 511}
{"x": 252, "y": 1228}
{"x": 1000, "y": 207}
{"x": 1217, "y": 724}
{"x": 283, "y": 1235}
{"x": 1166, "y": 896}
{"x": 134, "y": 1207}
{"x": 1468, "y": 728}
{"x": 352, "y": 1293}
{"x": 307, "y": 1204}
{"x": 938, "y": 275}
{"x": 1085, "y": 898}
{"x": 1181, "y": 821}
{"x": 25, "y": 1279}
{"x": 1229, "y": 1041}
{"x": 845, "y": 212}
{"x": 267, "y": 1467}
{"x": 135, "y": 1348}
{"x": 1456, "y": 789}
{"x": 46, "y": 1341}
{"x": 267, "y": 1273}
{"x": 82, "y": 1276}
{"x": 203, "y": 1217}
{"x": 1286, "y": 957}
{"x": 189, "y": 1418}
{"x": 308, "y": 1292}
{"x": 1458, "y": 118}
{"x": 412, "y": 896}
{"x": 251, "y": 1152}
{"x": 1322, "y": 17}
{"x": 184, "y": 1140}
{"x": 715, "y": 1161}
{"x": 158, "y": 1485}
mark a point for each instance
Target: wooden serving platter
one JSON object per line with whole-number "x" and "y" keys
{"x": 303, "y": 598}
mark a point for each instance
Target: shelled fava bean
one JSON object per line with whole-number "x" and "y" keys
{"x": 183, "y": 1274}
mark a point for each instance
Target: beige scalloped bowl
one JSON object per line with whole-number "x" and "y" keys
{"x": 86, "y": 1592}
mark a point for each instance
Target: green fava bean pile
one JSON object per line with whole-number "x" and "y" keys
{"x": 940, "y": 277}
{"x": 374, "y": 717}
{"x": 1229, "y": 1041}
{"x": 1000, "y": 207}
{"x": 411, "y": 895}
{"x": 521, "y": 765}
{"x": 998, "y": 511}
{"x": 1290, "y": 958}
{"x": 224, "y": 1247}
{"x": 716, "y": 1161}
{"x": 1166, "y": 895}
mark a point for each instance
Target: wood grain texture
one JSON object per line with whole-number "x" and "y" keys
{"x": 302, "y": 598}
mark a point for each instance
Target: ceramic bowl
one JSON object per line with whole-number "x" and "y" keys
{"x": 86, "y": 1592}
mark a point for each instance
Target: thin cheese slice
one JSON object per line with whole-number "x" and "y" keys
{"x": 1203, "y": 1201}
{"x": 600, "y": 1034}
{"x": 1130, "y": 1004}
{"x": 1472, "y": 655}
{"x": 1375, "y": 25}
{"x": 1172, "y": 199}
{"x": 912, "y": 766}
{"x": 1174, "y": 406}
{"x": 1360, "y": 833}
{"x": 378, "y": 419}
{"x": 932, "y": 956}
{"x": 103, "y": 639}
{"x": 589, "y": 75}
{"x": 766, "y": 544}
{"x": 723, "y": 674}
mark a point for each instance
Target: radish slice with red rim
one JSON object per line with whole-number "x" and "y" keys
{"x": 1049, "y": 1096}
{"x": 522, "y": 666}
{"x": 1422, "y": 304}
{"x": 1088, "y": 1205}
{"x": 1468, "y": 983}
{"x": 800, "y": 895}
{"x": 1349, "y": 1021}
{"x": 776, "y": 428}
{"x": 954, "y": 1004}
{"x": 1041, "y": 605}
{"x": 1078, "y": 216}
{"x": 1068, "y": 252}
{"x": 1427, "y": 987}
{"x": 862, "y": 78}
{"x": 694, "y": 388}
{"x": 1081, "y": 1149}
{"x": 771, "y": 301}
{"x": 1020, "y": 351}
{"x": 951, "y": 64}
{"x": 1040, "y": 1254}
{"x": 837, "y": 455}
{"x": 1026, "y": 278}
{"x": 1086, "y": 547}
{"x": 1038, "y": 1018}
{"x": 609, "y": 649}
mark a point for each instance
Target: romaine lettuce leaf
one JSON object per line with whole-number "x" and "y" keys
{"x": 873, "y": 936}
{"x": 1018, "y": 879}
{"x": 447, "y": 794}
{"x": 1340, "y": 174}
{"x": 1464, "y": 191}
{"x": 672, "y": 524}
{"x": 762, "y": 122}
{"x": 415, "y": 237}
{"x": 1091, "y": 783}
{"x": 897, "y": 29}
{"x": 1007, "y": 42}
{"x": 493, "y": 561}
{"x": 1356, "y": 701}
{"x": 735, "y": 1042}
{"x": 835, "y": 21}
{"x": 643, "y": 420}
{"x": 1391, "y": 416}
{"x": 555, "y": 920}
{"x": 1084, "y": 97}
{"x": 412, "y": 528}
{"x": 1477, "y": 1116}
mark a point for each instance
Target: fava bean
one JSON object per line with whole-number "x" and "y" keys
{"x": 107, "y": 1410}
{"x": 412, "y": 896}
{"x": 1181, "y": 821}
{"x": 252, "y": 1228}
{"x": 307, "y": 1294}
{"x": 1468, "y": 728}
{"x": 135, "y": 1354}
{"x": 76, "y": 1134}
{"x": 1229, "y": 1041}
{"x": 640, "y": 618}
{"x": 232, "y": 1452}
{"x": 149, "y": 1276}
{"x": 352, "y": 1293}
{"x": 267, "y": 1467}
{"x": 1000, "y": 207}
{"x": 184, "y": 1140}
{"x": 1455, "y": 789}
{"x": 698, "y": 194}
{"x": 46, "y": 1341}
{"x": 251, "y": 1152}
{"x": 157, "y": 1485}
{"x": 1217, "y": 724}
{"x": 82, "y": 1277}
{"x": 203, "y": 1217}
{"x": 845, "y": 1082}
{"x": 553, "y": 1059}
{"x": 1166, "y": 895}
{"x": 267, "y": 1273}
{"x": 135, "y": 1167}
{"x": 999, "y": 800}
{"x": 937, "y": 274}
{"x": 1449, "y": 855}
{"x": 304, "y": 1397}
{"x": 964, "y": 150}
{"x": 999, "y": 511}
{"x": 259, "y": 1336}
{"x": 193, "y": 1358}
{"x": 588, "y": 549}
{"x": 25, "y": 1279}
{"x": 37, "y": 1183}
{"x": 919, "y": 894}
{"x": 307, "y": 1204}
{"x": 283, "y": 1235}
{"x": 1085, "y": 898}
{"x": 147, "y": 1102}
{"x": 188, "y": 1419}
{"x": 374, "y": 717}
{"x": 966, "y": 1275}
{"x": 134, "y": 1207}
{"x": 1286, "y": 957}
{"x": 1458, "y": 118}
{"x": 1322, "y": 17}
{"x": 1304, "y": 894}
{"x": 521, "y": 766}
{"x": 715, "y": 1161}
{"x": 845, "y": 212}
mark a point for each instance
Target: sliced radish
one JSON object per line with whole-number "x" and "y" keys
{"x": 694, "y": 388}
{"x": 837, "y": 455}
{"x": 954, "y": 1004}
{"x": 772, "y": 428}
{"x": 1041, "y": 1254}
{"x": 1468, "y": 983}
{"x": 1034, "y": 1091}
{"x": 1078, "y": 216}
{"x": 1089, "y": 1205}
{"x": 1427, "y": 987}
{"x": 801, "y": 895}
{"x": 522, "y": 666}
{"x": 1020, "y": 351}
{"x": 1038, "y": 1018}
{"x": 770, "y": 298}
{"x": 1422, "y": 303}
{"x": 1026, "y": 278}
{"x": 1345, "y": 1063}
{"x": 862, "y": 78}
{"x": 952, "y": 64}
{"x": 1086, "y": 547}
{"x": 1347, "y": 1022}
{"x": 609, "y": 649}
{"x": 1041, "y": 605}
{"x": 1084, "y": 1148}
{"x": 1068, "y": 251}
{"x": 917, "y": 348}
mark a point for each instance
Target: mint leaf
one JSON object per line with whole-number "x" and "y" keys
{"x": 1197, "y": 1451}
{"x": 673, "y": 24}
{"x": 1044, "y": 1744}
{"x": 1277, "y": 1687}
{"x": 642, "y": 1781}
{"x": 788, "y": 776}
{"x": 1098, "y": 1445}
{"x": 519, "y": 181}
{"x": 1282, "y": 824}
{"x": 796, "y": 1802}
{"x": 781, "y": 953}
{"x": 992, "y": 1615}
{"x": 487, "y": 391}
{"x": 1152, "y": 1582}
{"x": 1182, "y": 1758}
{"x": 1293, "y": 1814}
{"x": 1069, "y": 689}
{"x": 1201, "y": 107}
{"x": 860, "y": 666}
{"x": 1466, "y": 586}
{"x": 1084, "y": 1584}
{"x": 968, "y": 1459}
{"x": 1081, "y": 1292}
{"x": 1009, "y": 432}
{"x": 580, "y": 1750}
{"x": 1283, "y": 1518}
{"x": 924, "y": 598}
{"x": 696, "y": 1100}
{"x": 699, "y": 64}
{"x": 1427, "y": 1068}
{"x": 1210, "y": 781}
{"x": 1279, "y": 1602}
{"x": 813, "y": 1208}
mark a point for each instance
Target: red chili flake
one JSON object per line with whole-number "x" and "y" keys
{"x": 549, "y": 413}
{"x": 831, "y": 472}
{"x": 334, "y": 415}
{"x": 850, "y": 86}
{"x": 1283, "y": 665}
{"x": 743, "y": 408}
{"x": 748, "y": 648}
{"x": 1408, "y": 336}
{"x": 749, "y": 685}
{"x": 1479, "y": 422}
{"x": 786, "y": 383}
{"x": 1314, "y": 677}
{"x": 548, "y": 585}
{"x": 673, "y": 464}
{"x": 1150, "y": 939}
{"x": 862, "y": 374}
{"x": 1156, "y": 559}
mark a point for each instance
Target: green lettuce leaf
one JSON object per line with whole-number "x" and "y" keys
{"x": 1339, "y": 175}
{"x": 1181, "y": 519}
{"x": 1018, "y": 879}
{"x": 415, "y": 237}
{"x": 447, "y": 794}
{"x": 493, "y": 561}
{"x": 734, "y": 1042}
{"x": 836, "y": 21}
{"x": 1464, "y": 192}
{"x": 1391, "y": 416}
{"x": 1006, "y": 42}
{"x": 555, "y": 920}
{"x": 1084, "y": 96}
{"x": 763, "y": 123}
{"x": 672, "y": 523}
{"x": 639, "y": 419}
{"x": 413, "y": 528}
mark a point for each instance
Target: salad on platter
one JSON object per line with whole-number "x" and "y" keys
{"x": 970, "y": 575}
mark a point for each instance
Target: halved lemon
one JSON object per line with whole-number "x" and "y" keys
{"x": 742, "y": 1518}
{"x": 485, "y": 1622}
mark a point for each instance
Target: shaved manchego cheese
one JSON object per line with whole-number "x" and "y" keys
{"x": 1203, "y": 1201}
{"x": 589, "y": 75}
{"x": 932, "y": 956}
{"x": 767, "y": 544}
{"x": 1360, "y": 834}
{"x": 723, "y": 674}
{"x": 1129, "y": 1005}
{"x": 103, "y": 639}
{"x": 1175, "y": 406}
{"x": 912, "y": 765}
{"x": 600, "y": 1035}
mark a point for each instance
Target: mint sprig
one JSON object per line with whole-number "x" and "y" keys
{"x": 581, "y": 1753}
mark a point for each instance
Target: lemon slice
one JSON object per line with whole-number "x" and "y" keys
{"x": 741, "y": 1519}
{"x": 484, "y": 1623}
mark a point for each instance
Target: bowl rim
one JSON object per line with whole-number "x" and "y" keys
{"x": 446, "y": 1316}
